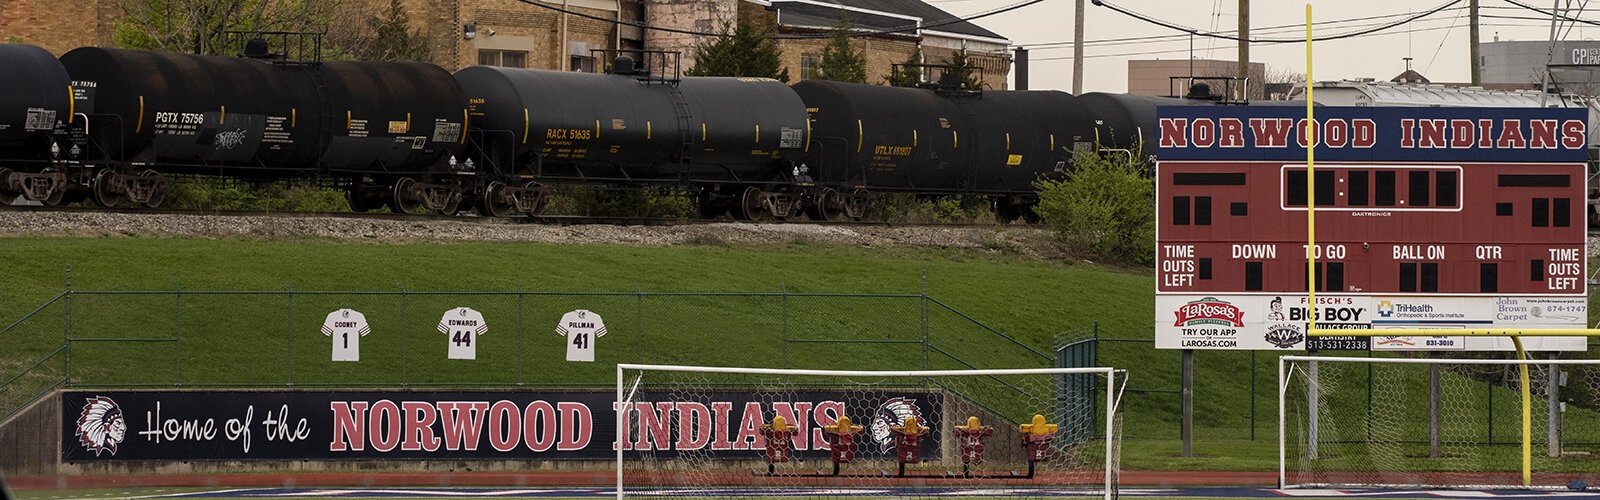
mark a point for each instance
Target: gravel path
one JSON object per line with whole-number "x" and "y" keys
{"x": 1032, "y": 241}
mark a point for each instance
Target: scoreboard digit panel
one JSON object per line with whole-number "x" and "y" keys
{"x": 1426, "y": 217}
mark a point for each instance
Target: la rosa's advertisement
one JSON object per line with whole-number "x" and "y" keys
{"x": 315, "y": 425}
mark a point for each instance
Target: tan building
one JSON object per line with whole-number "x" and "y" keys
{"x": 513, "y": 33}
{"x": 58, "y": 25}
{"x": 1171, "y": 77}
{"x": 985, "y": 49}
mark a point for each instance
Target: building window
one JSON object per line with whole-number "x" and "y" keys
{"x": 808, "y": 66}
{"x": 582, "y": 64}
{"x": 505, "y": 58}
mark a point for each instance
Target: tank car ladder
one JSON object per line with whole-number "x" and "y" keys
{"x": 685, "y": 152}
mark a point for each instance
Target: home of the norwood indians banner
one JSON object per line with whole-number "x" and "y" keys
{"x": 303, "y": 425}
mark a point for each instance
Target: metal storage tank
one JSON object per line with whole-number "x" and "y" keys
{"x": 392, "y": 117}
{"x": 918, "y": 139}
{"x": 884, "y": 137}
{"x": 1125, "y": 121}
{"x": 605, "y": 127}
{"x": 37, "y": 98}
{"x": 202, "y": 112}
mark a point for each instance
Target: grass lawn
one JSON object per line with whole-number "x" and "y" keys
{"x": 274, "y": 339}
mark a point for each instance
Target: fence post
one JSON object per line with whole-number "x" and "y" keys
{"x": 1552, "y": 396}
{"x": 177, "y": 339}
{"x": 522, "y": 339}
{"x": 66, "y": 331}
{"x": 1186, "y": 404}
{"x": 785, "y": 290}
{"x": 288, "y": 335}
{"x": 638, "y": 321}
{"x": 1252, "y": 395}
{"x": 924, "y": 319}
{"x": 1433, "y": 410}
{"x": 405, "y": 320}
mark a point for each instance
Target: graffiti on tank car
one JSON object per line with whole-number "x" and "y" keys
{"x": 230, "y": 139}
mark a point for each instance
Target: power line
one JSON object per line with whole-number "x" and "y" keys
{"x": 1184, "y": 36}
{"x": 1179, "y": 51}
{"x": 1553, "y": 13}
{"x": 1186, "y": 29}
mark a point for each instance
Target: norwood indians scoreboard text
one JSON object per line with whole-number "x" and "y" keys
{"x": 1425, "y": 218}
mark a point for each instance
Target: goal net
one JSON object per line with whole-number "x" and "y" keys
{"x": 1436, "y": 423}
{"x": 755, "y": 433}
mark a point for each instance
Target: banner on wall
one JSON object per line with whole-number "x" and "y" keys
{"x": 325, "y": 425}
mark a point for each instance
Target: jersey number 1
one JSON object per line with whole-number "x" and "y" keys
{"x": 581, "y": 340}
{"x": 462, "y": 338}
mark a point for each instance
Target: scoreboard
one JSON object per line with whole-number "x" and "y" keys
{"x": 1444, "y": 218}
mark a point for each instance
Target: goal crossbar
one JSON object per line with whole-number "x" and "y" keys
{"x": 1112, "y": 396}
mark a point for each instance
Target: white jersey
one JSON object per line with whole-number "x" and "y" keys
{"x": 346, "y": 326}
{"x": 581, "y": 328}
{"x": 463, "y": 326}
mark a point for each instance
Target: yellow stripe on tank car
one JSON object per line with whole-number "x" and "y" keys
{"x": 466, "y": 120}
{"x": 1008, "y": 141}
{"x": 596, "y": 128}
{"x": 294, "y": 117}
{"x": 647, "y": 130}
{"x": 758, "y": 133}
{"x": 1052, "y": 142}
{"x": 347, "y": 119}
{"x": 408, "y": 122}
{"x": 224, "y": 115}
{"x": 807, "y": 147}
{"x": 913, "y": 138}
{"x": 139, "y": 127}
{"x": 955, "y": 140}
{"x": 524, "y": 125}
{"x": 861, "y": 135}
{"x": 702, "y": 131}
{"x": 72, "y": 105}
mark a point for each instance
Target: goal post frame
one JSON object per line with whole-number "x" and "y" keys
{"x": 1284, "y": 376}
{"x": 1112, "y": 396}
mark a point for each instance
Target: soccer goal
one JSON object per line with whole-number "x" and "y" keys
{"x": 1436, "y": 423}
{"x": 753, "y": 433}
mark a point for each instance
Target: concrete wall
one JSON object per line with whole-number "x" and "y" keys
{"x": 30, "y": 441}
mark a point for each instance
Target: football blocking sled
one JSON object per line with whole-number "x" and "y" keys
{"x": 753, "y": 432}
{"x": 1435, "y": 423}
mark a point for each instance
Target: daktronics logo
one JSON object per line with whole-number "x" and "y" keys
{"x": 1209, "y": 311}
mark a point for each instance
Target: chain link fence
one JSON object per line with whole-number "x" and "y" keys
{"x": 274, "y": 338}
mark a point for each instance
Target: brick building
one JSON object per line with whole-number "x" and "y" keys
{"x": 58, "y": 25}
{"x": 515, "y": 33}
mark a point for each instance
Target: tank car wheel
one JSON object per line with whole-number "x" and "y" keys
{"x": 542, "y": 200}
{"x": 7, "y": 195}
{"x": 829, "y": 205}
{"x": 402, "y": 200}
{"x": 866, "y": 211}
{"x": 491, "y": 205}
{"x": 101, "y": 191}
{"x": 158, "y": 196}
{"x": 751, "y": 207}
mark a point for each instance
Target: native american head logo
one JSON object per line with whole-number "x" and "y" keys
{"x": 100, "y": 427}
{"x": 891, "y": 413}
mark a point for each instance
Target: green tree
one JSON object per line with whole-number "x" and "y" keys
{"x": 392, "y": 38}
{"x": 1104, "y": 209}
{"x": 961, "y": 64}
{"x": 746, "y": 49}
{"x": 199, "y": 25}
{"x": 908, "y": 74}
{"x": 842, "y": 62}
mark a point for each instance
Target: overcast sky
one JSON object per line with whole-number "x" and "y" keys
{"x": 1438, "y": 43}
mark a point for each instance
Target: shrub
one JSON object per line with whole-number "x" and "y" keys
{"x": 1103, "y": 209}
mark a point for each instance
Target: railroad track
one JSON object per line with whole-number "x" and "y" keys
{"x": 553, "y": 220}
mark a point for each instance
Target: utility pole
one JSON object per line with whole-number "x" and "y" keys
{"x": 1077, "y": 50}
{"x": 1477, "y": 72}
{"x": 1244, "y": 49}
